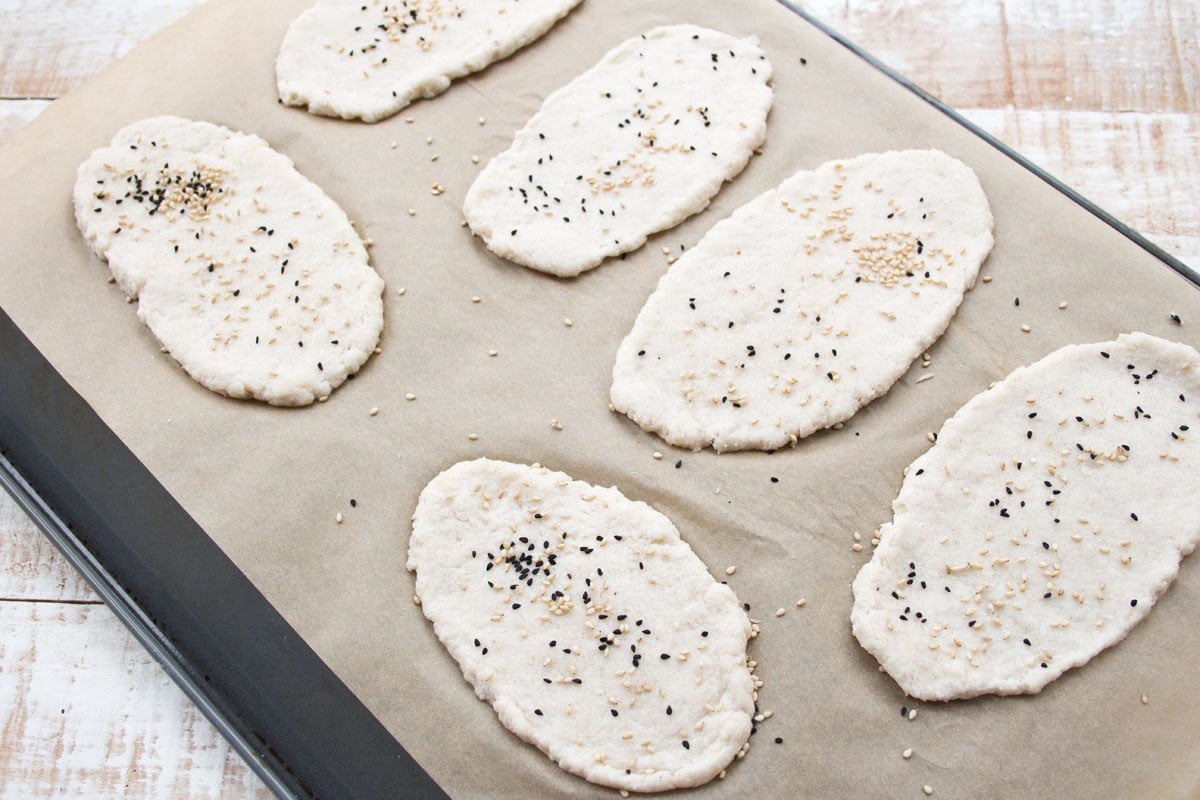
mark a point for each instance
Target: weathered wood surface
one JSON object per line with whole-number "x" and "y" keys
{"x": 1103, "y": 93}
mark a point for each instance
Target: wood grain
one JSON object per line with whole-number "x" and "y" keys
{"x": 1083, "y": 55}
{"x": 49, "y": 48}
{"x": 1104, "y": 94}
{"x": 96, "y": 717}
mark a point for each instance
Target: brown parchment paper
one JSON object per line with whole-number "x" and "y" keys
{"x": 266, "y": 483}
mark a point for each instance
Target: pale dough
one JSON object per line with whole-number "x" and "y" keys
{"x": 631, "y": 147}
{"x": 367, "y": 59}
{"x": 1042, "y": 527}
{"x": 805, "y": 304}
{"x": 249, "y": 275}
{"x": 583, "y": 618}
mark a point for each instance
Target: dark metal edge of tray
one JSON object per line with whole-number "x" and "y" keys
{"x": 281, "y": 708}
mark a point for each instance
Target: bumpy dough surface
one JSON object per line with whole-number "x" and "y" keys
{"x": 367, "y": 60}
{"x": 250, "y": 276}
{"x": 631, "y": 147}
{"x": 805, "y": 304}
{"x": 583, "y": 618}
{"x": 1042, "y": 527}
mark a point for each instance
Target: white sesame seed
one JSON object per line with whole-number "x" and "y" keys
{"x": 730, "y": 570}
{"x": 931, "y": 436}
{"x": 401, "y": 291}
{"x": 801, "y": 602}
{"x": 1026, "y": 328}
{"x": 987, "y": 279}
{"x": 412, "y": 212}
{"x": 482, "y": 121}
{"x": 779, "y": 612}
{"x": 428, "y": 140}
{"x": 477, "y": 299}
{"x": 338, "y": 518}
{"x": 473, "y": 436}
{"x": 410, "y": 396}
{"x": 493, "y": 353}
{"x": 856, "y": 547}
{"x": 393, "y": 145}
{"x": 374, "y": 412}
{"x": 474, "y": 159}
{"x": 568, "y": 322}
{"x": 912, "y": 713}
{"x": 1062, "y": 306}
{"x": 409, "y": 120}
{"x": 1145, "y": 700}
{"x": 927, "y": 789}
{"x": 907, "y": 753}
{"x": 434, "y": 157}
{"x": 556, "y": 425}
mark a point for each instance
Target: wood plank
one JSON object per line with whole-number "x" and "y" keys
{"x": 49, "y": 48}
{"x": 1096, "y": 55}
{"x": 30, "y": 567}
{"x": 1142, "y": 168}
{"x": 88, "y": 714}
{"x": 16, "y": 114}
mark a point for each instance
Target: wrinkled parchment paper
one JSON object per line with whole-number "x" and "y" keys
{"x": 266, "y": 483}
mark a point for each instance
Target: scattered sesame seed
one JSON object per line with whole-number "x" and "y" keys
{"x": 1145, "y": 700}
{"x": 401, "y": 291}
{"x": 556, "y": 425}
{"x": 493, "y": 353}
{"x": 1062, "y": 306}
{"x": 482, "y": 121}
{"x": 476, "y": 299}
{"x": 410, "y": 396}
{"x": 779, "y": 612}
{"x": 428, "y": 140}
{"x": 987, "y": 278}
{"x": 474, "y": 159}
{"x": 801, "y": 602}
{"x": 338, "y": 518}
{"x": 412, "y": 212}
{"x": 409, "y": 120}
{"x": 657, "y": 456}
{"x": 730, "y": 570}
{"x": 568, "y": 322}
{"x": 473, "y": 436}
{"x": 374, "y": 412}
{"x": 1026, "y": 328}
{"x": 912, "y": 713}
{"x": 927, "y": 789}
{"x": 907, "y": 754}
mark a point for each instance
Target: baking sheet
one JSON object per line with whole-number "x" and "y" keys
{"x": 266, "y": 483}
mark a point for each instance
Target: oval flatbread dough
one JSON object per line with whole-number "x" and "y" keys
{"x": 631, "y": 147}
{"x": 1049, "y": 517}
{"x": 367, "y": 60}
{"x": 249, "y": 275}
{"x": 582, "y": 617}
{"x": 805, "y": 304}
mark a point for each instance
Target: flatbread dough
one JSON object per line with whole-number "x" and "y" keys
{"x": 249, "y": 275}
{"x": 631, "y": 147}
{"x": 367, "y": 60}
{"x": 1049, "y": 517}
{"x": 805, "y": 304}
{"x": 588, "y": 624}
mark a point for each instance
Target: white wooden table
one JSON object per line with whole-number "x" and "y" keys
{"x": 1103, "y": 93}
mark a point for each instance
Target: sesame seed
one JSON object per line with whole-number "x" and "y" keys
{"x": 1026, "y": 328}
{"x": 493, "y": 353}
{"x": 374, "y": 412}
{"x": 801, "y": 602}
{"x": 907, "y": 754}
{"x": 927, "y": 789}
{"x": 1145, "y": 700}
{"x": 410, "y": 396}
{"x": 401, "y": 291}
{"x": 476, "y": 299}
{"x": 482, "y": 121}
{"x": 1062, "y": 306}
{"x": 730, "y": 570}
{"x": 987, "y": 278}
{"x": 338, "y": 518}
{"x": 412, "y": 212}
{"x": 473, "y": 436}
{"x": 568, "y": 322}
{"x": 912, "y": 713}
{"x": 657, "y": 456}
{"x": 779, "y": 612}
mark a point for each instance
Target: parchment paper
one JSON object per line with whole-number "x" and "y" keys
{"x": 266, "y": 483}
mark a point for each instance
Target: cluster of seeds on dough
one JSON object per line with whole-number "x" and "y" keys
{"x": 412, "y": 22}
{"x": 1026, "y": 558}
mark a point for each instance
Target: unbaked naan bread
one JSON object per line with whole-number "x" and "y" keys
{"x": 805, "y": 304}
{"x": 367, "y": 59}
{"x": 633, "y": 146}
{"x": 1049, "y": 517}
{"x": 249, "y": 275}
{"x": 588, "y": 624}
